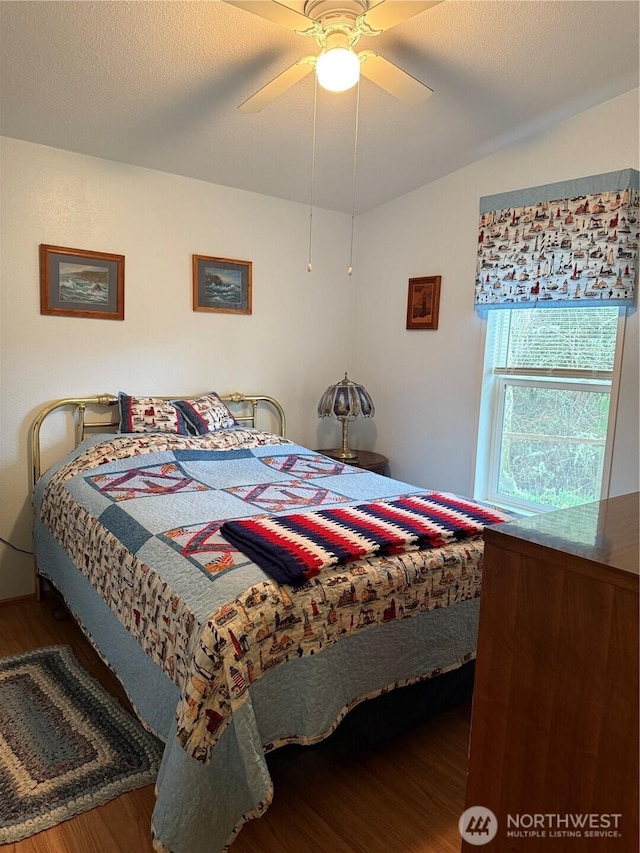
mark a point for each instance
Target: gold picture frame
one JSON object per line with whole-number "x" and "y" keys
{"x": 221, "y": 285}
{"x": 423, "y": 302}
{"x": 81, "y": 283}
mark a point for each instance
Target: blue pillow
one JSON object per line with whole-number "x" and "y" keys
{"x": 206, "y": 414}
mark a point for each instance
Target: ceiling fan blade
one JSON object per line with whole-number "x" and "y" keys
{"x": 388, "y": 13}
{"x": 288, "y": 78}
{"x": 393, "y": 79}
{"x": 278, "y": 13}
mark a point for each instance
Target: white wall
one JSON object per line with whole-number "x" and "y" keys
{"x": 292, "y": 346}
{"x": 426, "y": 384}
{"x": 305, "y": 330}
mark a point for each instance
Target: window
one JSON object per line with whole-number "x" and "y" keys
{"x": 546, "y": 398}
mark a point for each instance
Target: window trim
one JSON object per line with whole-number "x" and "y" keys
{"x": 613, "y": 405}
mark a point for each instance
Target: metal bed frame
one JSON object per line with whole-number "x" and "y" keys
{"x": 82, "y": 426}
{"x": 245, "y": 411}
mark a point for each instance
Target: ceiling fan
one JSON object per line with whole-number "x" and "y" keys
{"x": 337, "y": 25}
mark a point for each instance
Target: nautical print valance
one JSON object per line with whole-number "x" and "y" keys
{"x": 573, "y": 243}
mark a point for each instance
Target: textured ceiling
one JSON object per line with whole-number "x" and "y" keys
{"x": 157, "y": 84}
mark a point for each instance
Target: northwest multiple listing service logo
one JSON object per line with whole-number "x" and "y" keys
{"x": 478, "y": 825}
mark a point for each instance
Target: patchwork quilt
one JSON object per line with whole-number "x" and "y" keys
{"x": 140, "y": 517}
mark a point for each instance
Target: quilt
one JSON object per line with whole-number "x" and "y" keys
{"x": 140, "y": 517}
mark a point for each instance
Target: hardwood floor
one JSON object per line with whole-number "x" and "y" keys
{"x": 406, "y": 795}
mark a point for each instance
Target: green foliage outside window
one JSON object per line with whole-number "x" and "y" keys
{"x": 553, "y": 438}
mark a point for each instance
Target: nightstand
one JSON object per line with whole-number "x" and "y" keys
{"x": 367, "y": 460}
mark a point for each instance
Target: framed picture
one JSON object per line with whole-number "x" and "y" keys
{"x": 222, "y": 285}
{"x": 423, "y": 302}
{"x": 80, "y": 283}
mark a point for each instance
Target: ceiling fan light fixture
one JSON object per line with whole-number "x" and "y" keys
{"x": 338, "y": 67}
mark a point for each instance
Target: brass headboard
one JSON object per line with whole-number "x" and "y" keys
{"x": 246, "y": 413}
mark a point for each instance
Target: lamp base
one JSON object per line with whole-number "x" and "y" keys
{"x": 344, "y": 454}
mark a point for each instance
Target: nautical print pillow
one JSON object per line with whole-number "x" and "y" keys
{"x": 206, "y": 414}
{"x": 150, "y": 414}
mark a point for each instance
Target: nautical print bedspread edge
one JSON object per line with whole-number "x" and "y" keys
{"x": 140, "y": 515}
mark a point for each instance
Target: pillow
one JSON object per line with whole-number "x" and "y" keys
{"x": 206, "y": 414}
{"x": 150, "y": 414}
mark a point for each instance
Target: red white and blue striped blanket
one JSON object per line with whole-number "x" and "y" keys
{"x": 294, "y": 548}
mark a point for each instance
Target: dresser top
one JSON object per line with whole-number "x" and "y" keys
{"x": 604, "y": 532}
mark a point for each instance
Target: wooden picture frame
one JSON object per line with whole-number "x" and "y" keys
{"x": 81, "y": 283}
{"x": 423, "y": 302}
{"x": 221, "y": 285}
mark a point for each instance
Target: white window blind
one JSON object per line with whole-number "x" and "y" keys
{"x": 563, "y": 342}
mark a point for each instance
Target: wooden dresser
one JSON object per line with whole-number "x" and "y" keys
{"x": 554, "y": 729}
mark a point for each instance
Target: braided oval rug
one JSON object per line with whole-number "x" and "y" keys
{"x": 66, "y": 745}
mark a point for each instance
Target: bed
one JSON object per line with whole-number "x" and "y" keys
{"x": 223, "y": 659}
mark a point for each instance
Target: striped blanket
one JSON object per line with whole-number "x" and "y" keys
{"x": 294, "y": 548}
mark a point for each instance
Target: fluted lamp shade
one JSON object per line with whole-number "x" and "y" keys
{"x": 346, "y": 400}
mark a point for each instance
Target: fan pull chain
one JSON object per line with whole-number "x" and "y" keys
{"x": 355, "y": 167}
{"x": 313, "y": 166}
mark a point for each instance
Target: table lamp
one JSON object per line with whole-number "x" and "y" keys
{"x": 346, "y": 400}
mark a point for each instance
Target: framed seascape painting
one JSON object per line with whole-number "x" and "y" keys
{"x": 80, "y": 283}
{"x": 222, "y": 285}
{"x": 423, "y": 302}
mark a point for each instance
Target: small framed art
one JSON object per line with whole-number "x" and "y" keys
{"x": 423, "y": 302}
{"x": 222, "y": 285}
{"x": 80, "y": 283}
